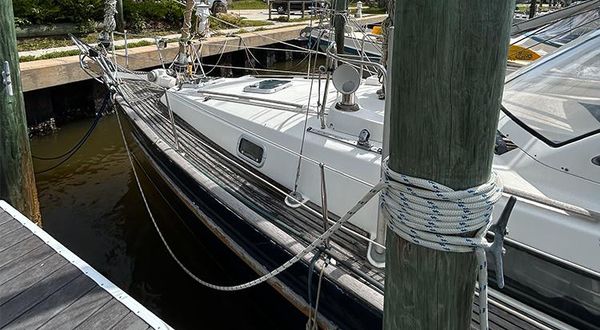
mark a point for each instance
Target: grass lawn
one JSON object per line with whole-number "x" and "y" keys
{"x": 294, "y": 19}
{"x": 66, "y": 53}
{"x": 248, "y": 4}
{"x": 234, "y": 21}
{"x": 26, "y": 44}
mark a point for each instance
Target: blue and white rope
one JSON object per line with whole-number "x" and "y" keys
{"x": 432, "y": 215}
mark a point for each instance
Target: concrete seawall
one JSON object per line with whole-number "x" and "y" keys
{"x": 41, "y": 74}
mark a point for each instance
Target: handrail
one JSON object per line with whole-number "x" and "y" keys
{"x": 570, "y": 208}
{"x": 253, "y": 98}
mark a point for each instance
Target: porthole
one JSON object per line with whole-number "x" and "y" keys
{"x": 251, "y": 151}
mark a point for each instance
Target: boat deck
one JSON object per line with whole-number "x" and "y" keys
{"x": 45, "y": 286}
{"x": 348, "y": 249}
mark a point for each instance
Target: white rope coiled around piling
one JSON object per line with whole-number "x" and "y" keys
{"x": 432, "y": 215}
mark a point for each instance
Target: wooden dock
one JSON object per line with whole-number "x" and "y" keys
{"x": 43, "y": 285}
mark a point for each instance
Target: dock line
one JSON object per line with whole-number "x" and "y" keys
{"x": 73, "y": 150}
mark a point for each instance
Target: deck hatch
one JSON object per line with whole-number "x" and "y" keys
{"x": 268, "y": 86}
{"x": 251, "y": 151}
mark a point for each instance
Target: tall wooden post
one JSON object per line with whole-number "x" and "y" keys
{"x": 339, "y": 24}
{"x": 449, "y": 60}
{"x": 120, "y": 17}
{"x": 17, "y": 181}
{"x": 532, "y": 8}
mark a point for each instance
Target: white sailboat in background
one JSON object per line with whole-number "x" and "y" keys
{"x": 283, "y": 157}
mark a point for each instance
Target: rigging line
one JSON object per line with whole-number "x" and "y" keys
{"x": 312, "y": 81}
{"x": 548, "y": 25}
{"x": 556, "y": 20}
{"x": 556, "y": 36}
{"x": 263, "y": 278}
{"x": 262, "y": 35}
{"x": 255, "y": 69}
{"x": 314, "y": 322}
{"x": 304, "y": 50}
{"x": 372, "y": 40}
{"x": 284, "y": 193}
{"x": 82, "y": 140}
{"x": 218, "y": 60}
{"x": 311, "y": 269}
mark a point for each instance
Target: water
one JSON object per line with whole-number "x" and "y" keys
{"x": 92, "y": 205}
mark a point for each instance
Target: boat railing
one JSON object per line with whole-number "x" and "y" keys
{"x": 255, "y": 101}
{"x": 356, "y": 61}
{"x": 302, "y": 203}
{"x": 111, "y": 78}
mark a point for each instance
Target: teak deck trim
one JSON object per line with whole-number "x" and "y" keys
{"x": 103, "y": 282}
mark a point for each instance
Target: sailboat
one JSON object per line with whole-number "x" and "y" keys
{"x": 267, "y": 164}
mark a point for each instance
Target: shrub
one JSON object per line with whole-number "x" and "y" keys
{"x": 58, "y": 11}
{"x": 138, "y": 13}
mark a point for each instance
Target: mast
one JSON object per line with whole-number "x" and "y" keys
{"x": 17, "y": 180}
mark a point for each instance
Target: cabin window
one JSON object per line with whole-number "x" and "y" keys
{"x": 558, "y": 100}
{"x": 251, "y": 151}
{"x": 268, "y": 86}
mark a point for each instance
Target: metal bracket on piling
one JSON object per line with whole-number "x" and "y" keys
{"x": 7, "y": 81}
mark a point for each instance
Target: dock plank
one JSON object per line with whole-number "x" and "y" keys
{"x": 52, "y": 305}
{"x": 44, "y": 285}
{"x": 23, "y": 263}
{"x": 13, "y": 238}
{"x": 131, "y": 322}
{"x": 106, "y": 317}
{"x": 20, "y": 249}
{"x": 79, "y": 311}
{"x": 4, "y": 217}
{"x": 8, "y": 227}
{"x": 26, "y": 279}
{"x": 37, "y": 292}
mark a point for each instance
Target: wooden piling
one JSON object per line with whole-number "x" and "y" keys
{"x": 532, "y": 8}
{"x": 120, "y": 17}
{"x": 17, "y": 180}
{"x": 448, "y": 77}
{"x": 339, "y": 24}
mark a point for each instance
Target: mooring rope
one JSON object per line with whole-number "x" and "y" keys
{"x": 73, "y": 150}
{"x": 432, "y": 215}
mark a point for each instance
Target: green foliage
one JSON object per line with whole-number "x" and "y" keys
{"x": 58, "y": 11}
{"x": 138, "y": 13}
